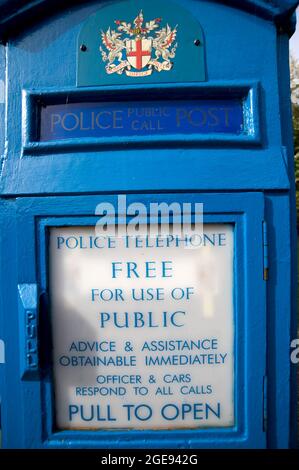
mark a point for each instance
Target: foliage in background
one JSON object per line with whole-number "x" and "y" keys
{"x": 295, "y": 106}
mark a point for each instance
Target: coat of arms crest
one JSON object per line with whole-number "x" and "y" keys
{"x": 131, "y": 48}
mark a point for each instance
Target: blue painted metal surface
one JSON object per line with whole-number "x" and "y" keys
{"x": 246, "y": 212}
{"x": 243, "y": 179}
{"x": 14, "y": 12}
{"x": 248, "y": 94}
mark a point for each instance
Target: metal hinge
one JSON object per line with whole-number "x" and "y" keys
{"x": 2, "y": 352}
{"x": 28, "y": 326}
{"x": 265, "y": 402}
{"x": 265, "y": 252}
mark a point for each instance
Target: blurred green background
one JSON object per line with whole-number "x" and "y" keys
{"x": 295, "y": 106}
{"x": 294, "y": 63}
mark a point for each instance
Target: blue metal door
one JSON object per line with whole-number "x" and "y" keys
{"x": 29, "y": 399}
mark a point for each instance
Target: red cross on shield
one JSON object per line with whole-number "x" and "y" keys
{"x": 139, "y": 52}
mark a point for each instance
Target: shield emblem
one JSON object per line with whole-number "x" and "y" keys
{"x": 139, "y": 52}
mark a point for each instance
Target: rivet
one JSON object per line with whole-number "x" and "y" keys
{"x": 83, "y": 48}
{"x": 197, "y": 42}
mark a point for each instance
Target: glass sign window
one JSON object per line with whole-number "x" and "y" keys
{"x": 143, "y": 329}
{"x": 134, "y": 118}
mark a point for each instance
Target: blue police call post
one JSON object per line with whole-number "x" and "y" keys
{"x": 148, "y": 231}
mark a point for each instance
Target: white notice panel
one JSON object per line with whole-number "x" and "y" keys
{"x": 143, "y": 330}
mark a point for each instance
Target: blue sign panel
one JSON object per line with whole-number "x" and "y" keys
{"x": 79, "y": 120}
{"x": 144, "y": 41}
